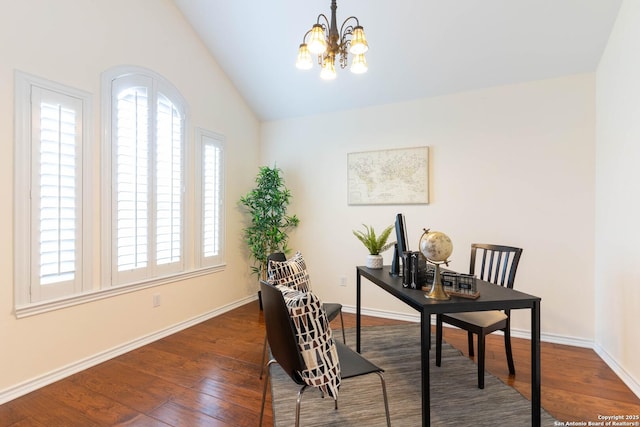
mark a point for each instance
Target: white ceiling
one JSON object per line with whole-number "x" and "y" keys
{"x": 417, "y": 48}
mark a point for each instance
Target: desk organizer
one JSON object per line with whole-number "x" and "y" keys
{"x": 457, "y": 284}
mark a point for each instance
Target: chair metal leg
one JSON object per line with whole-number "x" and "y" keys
{"x": 384, "y": 395}
{"x": 481, "y": 360}
{"x": 264, "y": 391}
{"x": 264, "y": 356}
{"x": 438, "y": 340}
{"x": 302, "y": 389}
{"x": 507, "y": 346}
{"x": 470, "y": 340}
{"x": 344, "y": 337}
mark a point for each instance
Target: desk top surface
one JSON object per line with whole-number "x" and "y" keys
{"x": 492, "y": 297}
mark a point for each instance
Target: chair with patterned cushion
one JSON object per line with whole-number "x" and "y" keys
{"x": 288, "y": 313}
{"x": 498, "y": 265}
{"x": 293, "y": 273}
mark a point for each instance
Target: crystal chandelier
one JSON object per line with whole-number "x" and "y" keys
{"x": 327, "y": 43}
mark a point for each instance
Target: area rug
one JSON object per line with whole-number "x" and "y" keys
{"x": 455, "y": 397}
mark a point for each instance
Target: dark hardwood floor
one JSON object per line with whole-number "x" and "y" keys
{"x": 207, "y": 375}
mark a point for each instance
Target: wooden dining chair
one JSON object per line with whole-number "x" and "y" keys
{"x": 286, "y": 348}
{"x": 496, "y": 264}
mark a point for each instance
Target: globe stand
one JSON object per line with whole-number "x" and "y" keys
{"x": 436, "y": 248}
{"x": 437, "y": 291}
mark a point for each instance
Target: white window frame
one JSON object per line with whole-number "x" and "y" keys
{"x": 215, "y": 140}
{"x": 96, "y": 275}
{"x": 111, "y": 277}
{"x": 28, "y": 289}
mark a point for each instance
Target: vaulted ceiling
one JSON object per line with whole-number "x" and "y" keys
{"x": 417, "y": 48}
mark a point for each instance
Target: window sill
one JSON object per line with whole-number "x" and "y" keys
{"x": 58, "y": 304}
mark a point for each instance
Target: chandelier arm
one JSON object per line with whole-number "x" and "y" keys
{"x": 349, "y": 29}
{"x": 326, "y": 21}
{"x": 304, "y": 38}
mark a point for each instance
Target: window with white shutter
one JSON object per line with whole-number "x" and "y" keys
{"x": 210, "y": 191}
{"x": 56, "y": 148}
{"x": 169, "y": 182}
{"x": 147, "y": 238}
{"x": 145, "y": 148}
{"x": 51, "y": 236}
{"x": 131, "y": 157}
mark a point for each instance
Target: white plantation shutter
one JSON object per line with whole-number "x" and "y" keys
{"x": 168, "y": 182}
{"x": 211, "y": 172}
{"x": 211, "y": 198}
{"x": 132, "y": 178}
{"x": 147, "y": 169}
{"x": 52, "y": 154}
{"x": 57, "y": 191}
{"x": 50, "y": 163}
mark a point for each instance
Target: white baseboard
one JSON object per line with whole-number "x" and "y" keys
{"x": 526, "y": 334}
{"x": 58, "y": 374}
{"x": 383, "y": 314}
{"x": 518, "y": 333}
{"x": 553, "y": 338}
{"x": 35, "y": 383}
{"x": 619, "y": 370}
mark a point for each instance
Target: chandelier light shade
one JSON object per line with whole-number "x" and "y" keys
{"x": 304, "y": 61}
{"x": 328, "y": 44}
{"x": 358, "y": 42}
{"x": 317, "y": 41}
{"x": 359, "y": 64}
{"x": 328, "y": 69}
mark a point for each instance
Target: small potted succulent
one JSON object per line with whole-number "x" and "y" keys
{"x": 375, "y": 244}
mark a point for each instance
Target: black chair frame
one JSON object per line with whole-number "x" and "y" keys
{"x": 285, "y": 351}
{"x": 499, "y": 264}
{"x": 332, "y": 309}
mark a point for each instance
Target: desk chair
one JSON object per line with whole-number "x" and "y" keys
{"x": 498, "y": 266}
{"x": 331, "y": 308}
{"x": 285, "y": 350}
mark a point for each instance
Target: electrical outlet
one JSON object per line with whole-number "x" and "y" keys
{"x": 343, "y": 280}
{"x": 156, "y": 300}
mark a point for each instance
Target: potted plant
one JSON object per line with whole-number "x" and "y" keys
{"x": 267, "y": 206}
{"x": 374, "y": 244}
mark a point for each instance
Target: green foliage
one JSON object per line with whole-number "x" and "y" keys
{"x": 267, "y": 206}
{"x": 375, "y": 244}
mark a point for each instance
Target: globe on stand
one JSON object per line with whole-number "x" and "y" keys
{"x": 436, "y": 248}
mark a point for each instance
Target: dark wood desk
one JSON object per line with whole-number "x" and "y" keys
{"x": 492, "y": 297}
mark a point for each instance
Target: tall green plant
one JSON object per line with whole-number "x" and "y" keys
{"x": 267, "y": 206}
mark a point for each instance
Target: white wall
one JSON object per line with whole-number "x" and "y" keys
{"x": 512, "y": 165}
{"x": 509, "y": 165}
{"x": 617, "y": 276}
{"x": 72, "y": 42}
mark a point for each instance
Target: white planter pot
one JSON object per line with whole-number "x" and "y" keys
{"x": 374, "y": 261}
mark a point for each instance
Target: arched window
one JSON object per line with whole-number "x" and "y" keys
{"x": 144, "y": 153}
{"x": 151, "y": 234}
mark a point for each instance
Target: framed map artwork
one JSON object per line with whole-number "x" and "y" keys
{"x": 388, "y": 177}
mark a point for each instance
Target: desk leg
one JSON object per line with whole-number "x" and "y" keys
{"x": 358, "y": 309}
{"x": 425, "y": 345}
{"x": 535, "y": 364}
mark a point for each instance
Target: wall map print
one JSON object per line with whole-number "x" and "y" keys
{"x": 388, "y": 177}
